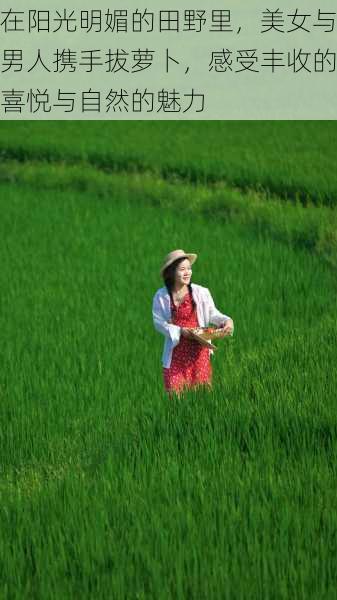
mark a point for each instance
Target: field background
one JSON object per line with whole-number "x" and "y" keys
{"x": 109, "y": 490}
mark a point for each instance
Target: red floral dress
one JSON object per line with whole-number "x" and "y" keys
{"x": 190, "y": 364}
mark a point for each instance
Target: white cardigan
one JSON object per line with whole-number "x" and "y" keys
{"x": 161, "y": 313}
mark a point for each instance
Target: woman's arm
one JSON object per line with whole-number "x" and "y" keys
{"x": 170, "y": 330}
{"x": 216, "y": 317}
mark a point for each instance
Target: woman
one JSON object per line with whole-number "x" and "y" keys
{"x": 178, "y": 306}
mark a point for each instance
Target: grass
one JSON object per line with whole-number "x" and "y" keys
{"x": 290, "y": 159}
{"x": 313, "y": 228}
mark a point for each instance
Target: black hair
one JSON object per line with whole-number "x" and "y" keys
{"x": 169, "y": 275}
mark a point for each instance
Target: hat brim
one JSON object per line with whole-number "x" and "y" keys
{"x": 191, "y": 257}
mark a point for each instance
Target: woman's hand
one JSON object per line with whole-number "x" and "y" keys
{"x": 228, "y": 327}
{"x": 185, "y": 332}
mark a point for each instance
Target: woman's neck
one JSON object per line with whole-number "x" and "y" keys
{"x": 180, "y": 288}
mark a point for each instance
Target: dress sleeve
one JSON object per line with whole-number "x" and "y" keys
{"x": 215, "y": 316}
{"x": 170, "y": 330}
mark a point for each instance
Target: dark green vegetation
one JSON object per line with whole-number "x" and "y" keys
{"x": 292, "y": 159}
{"x": 108, "y": 490}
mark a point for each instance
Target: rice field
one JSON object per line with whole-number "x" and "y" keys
{"x": 109, "y": 490}
{"x": 293, "y": 160}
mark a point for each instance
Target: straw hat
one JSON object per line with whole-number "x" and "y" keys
{"x": 174, "y": 255}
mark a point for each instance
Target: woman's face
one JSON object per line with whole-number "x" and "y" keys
{"x": 183, "y": 272}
